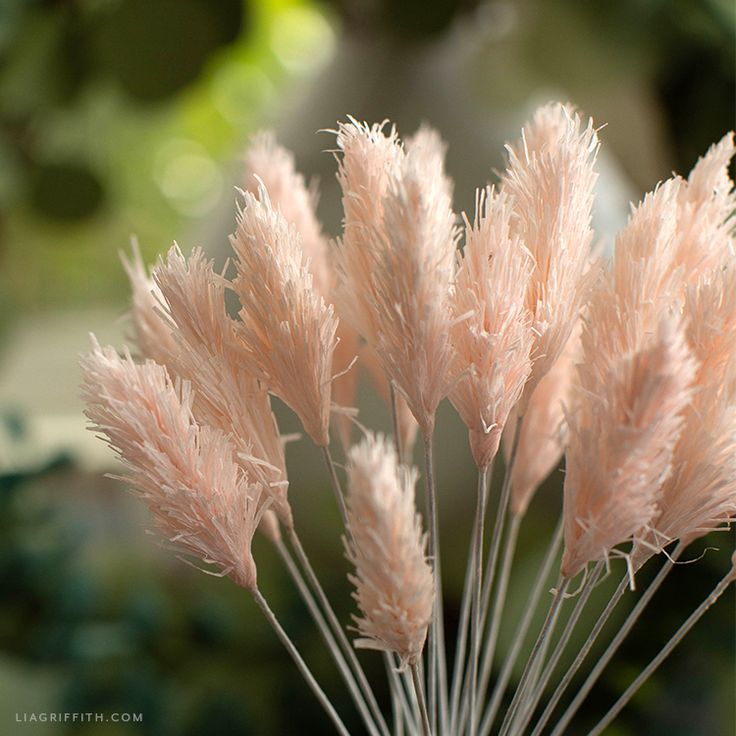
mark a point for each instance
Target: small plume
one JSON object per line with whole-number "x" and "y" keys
{"x": 396, "y": 260}
{"x": 201, "y": 500}
{"x": 287, "y": 330}
{"x": 394, "y": 586}
{"x": 491, "y": 334}
{"x": 550, "y": 178}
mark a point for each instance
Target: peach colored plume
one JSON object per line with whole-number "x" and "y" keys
{"x": 151, "y": 335}
{"x": 705, "y": 212}
{"x": 700, "y": 495}
{"x": 201, "y": 499}
{"x": 543, "y": 435}
{"x": 550, "y": 178}
{"x": 626, "y": 423}
{"x": 207, "y": 354}
{"x": 491, "y": 334}
{"x": 287, "y": 330}
{"x": 273, "y": 166}
{"x": 393, "y": 582}
{"x": 396, "y": 260}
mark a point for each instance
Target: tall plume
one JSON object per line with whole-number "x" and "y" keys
{"x": 201, "y": 500}
{"x": 394, "y": 587}
{"x": 396, "y": 259}
{"x": 550, "y": 178}
{"x": 491, "y": 335}
{"x": 287, "y": 329}
{"x": 273, "y": 166}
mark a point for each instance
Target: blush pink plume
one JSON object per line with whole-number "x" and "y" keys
{"x": 396, "y": 260}
{"x": 201, "y": 500}
{"x": 623, "y": 433}
{"x": 207, "y": 354}
{"x": 394, "y": 586}
{"x": 287, "y": 330}
{"x": 550, "y": 179}
{"x": 491, "y": 334}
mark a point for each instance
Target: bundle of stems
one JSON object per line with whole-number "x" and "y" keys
{"x": 627, "y": 367}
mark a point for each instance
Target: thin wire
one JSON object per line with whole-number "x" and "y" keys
{"x": 462, "y": 631}
{"x": 395, "y": 422}
{"x": 336, "y": 487}
{"x": 475, "y": 631}
{"x": 538, "y": 690}
{"x": 437, "y": 666}
{"x": 327, "y": 636}
{"x": 694, "y": 617}
{"x": 621, "y": 634}
{"x": 537, "y": 650}
{"x": 520, "y": 634}
{"x": 419, "y": 691}
{"x": 336, "y": 628}
{"x": 300, "y": 663}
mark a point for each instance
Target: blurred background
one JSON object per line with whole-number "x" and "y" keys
{"x": 129, "y": 117}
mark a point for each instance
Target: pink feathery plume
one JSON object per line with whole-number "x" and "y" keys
{"x": 287, "y": 330}
{"x": 623, "y": 432}
{"x": 543, "y": 434}
{"x": 273, "y": 166}
{"x": 371, "y": 159}
{"x": 705, "y": 212}
{"x": 396, "y": 260}
{"x": 491, "y": 334}
{"x": 207, "y": 354}
{"x": 700, "y": 495}
{"x": 393, "y": 581}
{"x": 151, "y": 335}
{"x": 201, "y": 499}
{"x": 550, "y": 178}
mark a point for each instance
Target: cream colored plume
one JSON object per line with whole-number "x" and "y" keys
{"x": 207, "y": 354}
{"x": 491, "y": 334}
{"x": 623, "y": 432}
{"x": 396, "y": 259}
{"x": 543, "y": 434}
{"x": 393, "y": 582}
{"x": 201, "y": 500}
{"x": 551, "y": 177}
{"x": 287, "y": 330}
